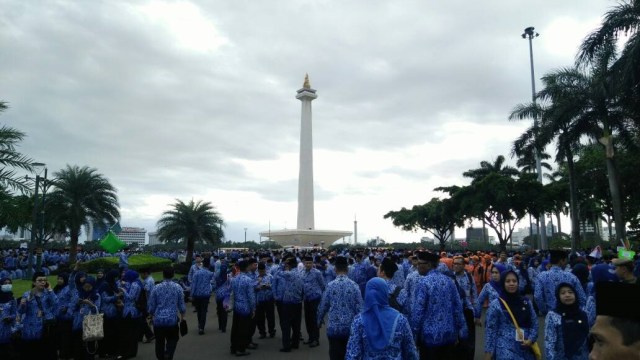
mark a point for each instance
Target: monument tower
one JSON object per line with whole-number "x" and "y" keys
{"x": 305, "y": 232}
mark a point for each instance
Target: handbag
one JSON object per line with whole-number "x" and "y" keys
{"x": 93, "y": 327}
{"x": 184, "y": 329}
{"x": 535, "y": 348}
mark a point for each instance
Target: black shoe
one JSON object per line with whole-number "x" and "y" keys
{"x": 200, "y": 332}
{"x": 262, "y": 336}
{"x": 314, "y": 344}
{"x": 285, "y": 350}
{"x": 252, "y": 346}
{"x": 244, "y": 353}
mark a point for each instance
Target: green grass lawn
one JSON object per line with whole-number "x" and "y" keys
{"x": 20, "y": 286}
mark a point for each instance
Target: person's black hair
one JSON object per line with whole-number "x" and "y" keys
{"x": 629, "y": 328}
{"x": 341, "y": 267}
{"x": 556, "y": 256}
{"x": 168, "y": 273}
{"x": 262, "y": 266}
{"x": 389, "y": 267}
{"x": 36, "y": 275}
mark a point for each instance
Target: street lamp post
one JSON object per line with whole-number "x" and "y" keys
{"x": 529, "y": 33}
{"x": 34, "y": 244}
{"x": 245, "y": 236}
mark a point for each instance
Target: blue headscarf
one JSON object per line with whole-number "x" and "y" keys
{"x": 496, "y": 284}
{"x": 378, "y": 318}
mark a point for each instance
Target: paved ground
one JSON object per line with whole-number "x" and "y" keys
{"x": 214, "y": 344}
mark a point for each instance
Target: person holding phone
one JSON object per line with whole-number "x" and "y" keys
{"x": 37, "y": 308}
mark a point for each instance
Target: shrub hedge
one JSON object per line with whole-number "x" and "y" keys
{"x": 136, "y": 262}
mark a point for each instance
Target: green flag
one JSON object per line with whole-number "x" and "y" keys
{"x": 111, "y": 243}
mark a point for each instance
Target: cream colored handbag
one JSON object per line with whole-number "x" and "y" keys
{"x": 93, "y": 327}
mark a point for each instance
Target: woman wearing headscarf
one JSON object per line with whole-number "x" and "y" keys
{"x": 111, "y": 306}
{"x": 566, "y": 327}
{"x": 129, "y": 331}
{"x": 223, "y": 291}
{"x": 502, "y": 342}
{"x": 491, "y": 291}
{"x": 599, "y": 273}
{"x": 64, "y": 316}
{"x": 379, "y": 331}
{"x": 8, "y": 312}
{"x": 85, "y": 301}
{"x": 581, "y": 271}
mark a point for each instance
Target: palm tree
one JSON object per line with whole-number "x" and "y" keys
{"x": 80, "y": 196}
{"x": 192, "y": 221}
{"x": 487, "y": 168}
{"x": 11, "y": 159}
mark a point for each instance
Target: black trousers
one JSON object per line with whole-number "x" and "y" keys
{"x": 266, "y": 311}
{"x": 202, "y": 307}
{"x": 446, "y": 352}
{"x": 82, "y": 351}
{"x": 310, "y": 316}
{"x": 32, "y": 349}
{"x": 166, "y": 341}
{"x": 128, "y": 337}
{"x": 109, "y": 345}
{"x": 222, "y": 315}
{"x": 63, "y": 339}
{"x": 466, "y": 349}
{"x": 290, "y": 322}
{"x": 240, "y": 332}
{"x": 337, "y": 348}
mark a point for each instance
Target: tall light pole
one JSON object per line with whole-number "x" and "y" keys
{"x": 245, "y": 236}
{"x": 34, "y": 224}
{"x": 529, "y": 33}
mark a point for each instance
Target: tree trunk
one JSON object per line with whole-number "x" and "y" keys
{"x": 573, "y": 201}
{"x": 614, "y": 189}
{"x": 73, "y": 246}
{"x": 190, "y": 246}
{"x": 558, "y": 219}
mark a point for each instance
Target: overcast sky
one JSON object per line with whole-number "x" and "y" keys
{"x": 196, "y": 99}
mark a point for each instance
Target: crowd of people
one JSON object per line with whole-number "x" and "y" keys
{"x": 372, "y": 303}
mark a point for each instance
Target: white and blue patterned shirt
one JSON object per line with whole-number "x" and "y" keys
{"x": 342, "y": 302}
{"x": 244, "y": 296}
{"x": 165, "y": 302}
{"x": 313, "y": 284}
{"x": 401, "y": 346}
{"x": 548, "y": 281}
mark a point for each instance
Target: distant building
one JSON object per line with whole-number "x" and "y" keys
{"x": 476, "y": 235}
{"x": 133, "y": 235}
{"x": 153, "y": 239}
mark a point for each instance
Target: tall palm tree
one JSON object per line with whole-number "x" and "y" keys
{"x": 192, "y": 221}
{"x": 11, "y": 159}
{"x": 81, "y": 195}
{"x": 487, "y": 168}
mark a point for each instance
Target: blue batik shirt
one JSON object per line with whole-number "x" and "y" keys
{"x": 244, "y": 297}
{"x": 359, "y": 275}
{"x": 401, "y": 345}
{"x": 313, "y": 284}
{"x": 32, "y": 315}
{"x": 293, "y": 287}
{"x": 468, "y": 286}
{"x": 545, "y": 289}
{"x": 264, "y": 291}
{"x": 398, "y": 277}
{"x": 131, "y": 294}
{"x": 63, "y": 311}
{"x": 554, "y": 343}
{"x": 499, "y": 338}
{"x": 165, "y": 302}
{"x": 437, "y": 318}
{"x": 8, "y": 313}
{"x": 201, "y": 284}
{"x": 407, "y": 294}
{"x": 342, "y": 302}
{"x": 488, "y": 292}
{"x": 80, "y": 310}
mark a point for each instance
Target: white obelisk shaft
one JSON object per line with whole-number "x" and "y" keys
{"x": 305, "y": 177}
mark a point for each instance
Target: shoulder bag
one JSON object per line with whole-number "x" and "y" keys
{"x": 535, "y": 348}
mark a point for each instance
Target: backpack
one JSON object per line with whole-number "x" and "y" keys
{"x": 393, "y": 299}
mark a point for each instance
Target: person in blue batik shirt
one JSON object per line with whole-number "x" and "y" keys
{"x": 244, "y": 307}
{"x": 313, "y": 287}
{"x": 223, "y": 291}
{"x": 359, "y": 273}
{"x": 544, "y": 291}
{"x": 341, "y": 301}
{"x": 201, "y": 290}
{"x": 380, "y": 332}
{"x": 265, "y": 308}
{"x": 491, "y": 291}
{"x": 8, "y": 313}
{"x": 129, "y": 331}
{"x": 437, "y": 318}
{"x": 166, "y": 307}
{"x": 111, "y": 306}
{"x": 85, "y": 301}
{"x": 501, "y": 341}
{"x": 291, "y": 305}
{"x": 63, "y": 316}
{"x": 566, "y": 328}
{"x": 37, "y": 309}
